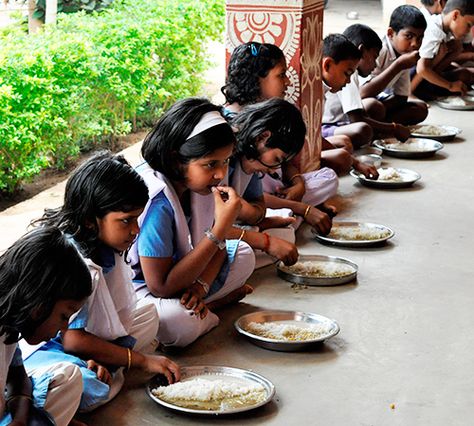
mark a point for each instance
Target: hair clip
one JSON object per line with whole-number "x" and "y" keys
{"x": 253, "y": 50}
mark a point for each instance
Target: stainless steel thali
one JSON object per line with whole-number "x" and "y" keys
{"x": 327, "y": 239}
{"x": 210, "y": 372}
{"x": 298, "y": 278}
{"x": 293, "y": 317}
{"x": 409, "y": 177}
{"x": 430, "y": 147}
{"x": 449, "y": 103}
{"x": 448, "y": 132}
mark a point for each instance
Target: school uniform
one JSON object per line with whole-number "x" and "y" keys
{"x": 165, "y": 231}
{"x": 111, "y": 313}
{"x": 338, "y": 105}
{"x": 57, "y": 388}
{"x": 400, "y": 83}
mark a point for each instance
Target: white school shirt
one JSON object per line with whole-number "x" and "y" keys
{"x": 338, "y": 104}
{"x": 6, "y": 357}
{"x": 426, "y": 13}
{"x": 434, "y": 36}
{"x": 400, "y": 84}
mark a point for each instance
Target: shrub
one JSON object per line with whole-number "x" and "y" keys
{"x": 93, "y": 76}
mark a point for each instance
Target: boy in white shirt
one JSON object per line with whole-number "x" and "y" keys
{"x": 439, "y": 50}
{"x": 389, "y": 82}
{"x": 345, "y": 111}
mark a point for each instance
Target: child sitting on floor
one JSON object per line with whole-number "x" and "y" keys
{"x": 186, "y": 261}
{"x": 435, "y": 75}
{"x": 257, "y": 72}
{"x": 43, "y": 281}
{"x": 340, "y": 60}
{"x": 102, "y": 202}
{"x": 389, "y": 82}
{"x": 345, "y": 112}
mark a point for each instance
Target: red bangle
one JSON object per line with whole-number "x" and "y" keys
{"x": 266, "y": 244}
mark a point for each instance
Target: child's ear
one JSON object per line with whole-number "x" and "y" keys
{"x": 361, "y": 48}
{"x": 390, "y": 32}
{"x": 327, "y": 61}
{"x": 455, "y": 14}
{"x": 263, "y": 137}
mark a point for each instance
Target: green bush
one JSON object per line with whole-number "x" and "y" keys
{"x": 94, "y": 76}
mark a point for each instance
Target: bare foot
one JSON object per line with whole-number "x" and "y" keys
{"x": 275, "y": 222}
{"x": 232, "y": 297}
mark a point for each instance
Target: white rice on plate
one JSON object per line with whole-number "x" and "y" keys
{"x": 317, "y": 269}
{"x": 287, "y": 332}
{"x": 389, "y": 174}
{"x": 212, "y": 395}
{"x": 413, "y": 145}
{"x": 430, "y": 130}
{"x": 358, "y": 233}
{"x": 456, "y": 101}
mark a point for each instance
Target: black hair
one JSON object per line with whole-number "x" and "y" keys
{"x": 339, "y": 48}
{"x": 363, "y": 35}
{"x": 105, "y": 183}
{"x": 407, "y": 16}
{"x": 465, "y": 7}
{"x": 276, "y": 115}
{"x": 428, "y": 2}
{"x": 166, "y": 147}
{"x": 249, "y": 63}
{"x": 40, "y": 269}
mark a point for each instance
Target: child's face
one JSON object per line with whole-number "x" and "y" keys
{"x": 367, "y": 62}
{"x": 118, "y": 230}
{"x": 460, "y": 25}
{"x": 274, "y": 85}
{"x": 406, "y": 40}
{"x": 337, "y": 74}
{"x": 204, "y": 173}
{"x": 269, "y": 160}
{"x": 57, "y": 321}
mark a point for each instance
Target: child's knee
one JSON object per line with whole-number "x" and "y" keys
{"x": 374, "y": 108}
{"x": 363, "y": 134}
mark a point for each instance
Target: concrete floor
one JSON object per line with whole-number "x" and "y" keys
{"x": 405, "y": 334}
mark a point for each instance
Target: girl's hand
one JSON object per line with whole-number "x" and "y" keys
{"x": 192, "y": 300}
{"x": 226, "y": 211}
{"x": 161, "y": 364}
{"x": 368, "y": 170}
{"x": 319, "y": 220}
{"x": 294, "y": 193}
{"x": 101, "y": 372}
{"x": 282, "y": 250}
{"x": 458, "y": 87}
{"x": 402, "y": 133}
{"x": 329, "y": 209}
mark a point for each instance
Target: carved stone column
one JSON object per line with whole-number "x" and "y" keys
{"x": 296, "y": 26}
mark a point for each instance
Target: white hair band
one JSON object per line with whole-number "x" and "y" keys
{"x": 208, "y": 120}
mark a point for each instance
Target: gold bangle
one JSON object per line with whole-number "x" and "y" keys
{"x": 307, "y": 211}
{"x": 242, "y": 235}
{"x": 129, "y": 359}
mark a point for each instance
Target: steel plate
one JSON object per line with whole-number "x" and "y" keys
{"x": 285, "y": 316}
{"x": 409, "y": 178}
{"x": 450, "y": 132}
{"x": 287, "y": 275}
{"x": 430, "y": 147}
{"x": 326, "y": 239}
{"x": 230, "y": 374}
{"x": 444, "y": 103}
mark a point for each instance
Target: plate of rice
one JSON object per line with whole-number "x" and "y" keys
{"x": 286, "y": 330}
{"x": 412, "y": 148}
{"x": 215, "y": 390}
{"x": 459, "y": 103}
{"x": 436, "y": 132}
{"x": 318, "y": 270}
{"x": 389, "y": 178}
{"x": 356, "y": 234}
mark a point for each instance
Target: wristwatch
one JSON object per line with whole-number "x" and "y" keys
{"x": 219, "y": 243}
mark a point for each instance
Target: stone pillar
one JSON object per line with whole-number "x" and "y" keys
{"x": 296, "y": 26}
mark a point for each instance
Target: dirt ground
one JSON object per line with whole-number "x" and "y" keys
{"x": 51, "y": 177}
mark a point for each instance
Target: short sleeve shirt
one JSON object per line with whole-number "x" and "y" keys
{"x": 338, "y": 104}
{"x": 254, "y": 189}
{"x": 400, "y": 84}
{"x": 434, "y": 36}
